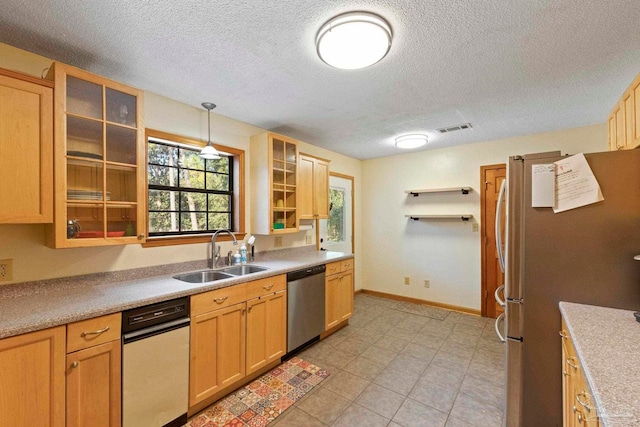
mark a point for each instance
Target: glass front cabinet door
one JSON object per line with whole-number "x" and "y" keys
{"x": 99, "y": 161}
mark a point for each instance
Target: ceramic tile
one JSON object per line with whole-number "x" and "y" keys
{"x": 483, "y": 390}
{"x": 392, "y": 343}
{"x": 397, "y": 381}
{"x": 449, "y": 378}
{"x": 356, "y": 415}
{"x": 475, "y": 412}
{"x": 379, "y": 355}
{"x": 413, "y": 413}
{"x": 451, "y": 361}
{"x": 346, "y": 385}
{"x": 454, "y": 422}
{"x": 353, "y": 345}
{"x": 364, "y": 368}
{"x": 434, "y": 395}
{"x": 418, "y": 352}
{"x": 324, "y": 405}
{"x": 295, "y": 418}
{"x": 380, "y": 400}
{"x": 408, "y": 364}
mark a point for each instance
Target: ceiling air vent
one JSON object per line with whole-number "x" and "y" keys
{"x": 454, "y": 128}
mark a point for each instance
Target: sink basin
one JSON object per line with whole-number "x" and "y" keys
{"x": 204, "y": 276}
{"x": 239, "y": 270}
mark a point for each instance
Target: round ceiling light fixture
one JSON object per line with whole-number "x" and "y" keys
{"x": 411, "y": 141}
{"x": 354, "y": 40}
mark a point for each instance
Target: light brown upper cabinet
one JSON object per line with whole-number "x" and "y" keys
{"x": 313, "y": 187}
{"x": 26, "y": 149}
{"x": 623, "y": 131}
{"x": 274, "y": 184}
{"x": 99, "y": 154}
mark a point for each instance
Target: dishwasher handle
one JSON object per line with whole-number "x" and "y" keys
{"x": 141, "y": 334}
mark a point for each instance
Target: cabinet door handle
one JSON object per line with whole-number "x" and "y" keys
{"x": 569, "y": 359}
{"x": 267, "y": 287}
{"x": 220, "y": 300}
{"x": 585, "y": 404}
{"x": 249, "y": 309}
{"x": 564, "y": 334}
{"x": 98, "y": 332}
{"x": 140, "y": 236}
{"x": 74, "y": 364}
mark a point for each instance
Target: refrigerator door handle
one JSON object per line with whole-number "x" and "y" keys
{"x": 499, "y": 247}
{"x": 497, "y": 296}
{"x": 497, "y": 326}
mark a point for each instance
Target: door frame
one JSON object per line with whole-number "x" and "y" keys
{"x": 483, "y": 237}
{"x": 353, "y": 210}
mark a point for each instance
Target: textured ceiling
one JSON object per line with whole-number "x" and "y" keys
{"x": 508, "y": 67}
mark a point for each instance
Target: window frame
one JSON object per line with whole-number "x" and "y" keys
{"x": 237, "y": 157}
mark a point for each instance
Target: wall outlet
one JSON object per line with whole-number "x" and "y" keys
{"x": 474, "y": 227}
{"x": 6, "y": 270}
{"x": 406, "y": 281}
{"x": 277, "y": 242}
{"x": 307, "y": 239}
{"x": 426, "y": 283}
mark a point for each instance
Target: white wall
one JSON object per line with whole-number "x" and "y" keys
{"x": 25, "y": 243}
{"x": 445, "y": 253}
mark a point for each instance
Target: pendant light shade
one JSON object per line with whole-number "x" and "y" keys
{"x": 411, "y": 141}
{"x": 354, "y": 40}
{"x": 209, "y": 152}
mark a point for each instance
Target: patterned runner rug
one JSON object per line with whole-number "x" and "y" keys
{"x": 261, "y": 401}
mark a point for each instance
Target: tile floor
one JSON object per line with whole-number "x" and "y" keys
{"x": 394, "y": 368}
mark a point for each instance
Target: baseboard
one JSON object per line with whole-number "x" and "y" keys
{"x": 465, "y": 310}
{"x": 359, "y": 291}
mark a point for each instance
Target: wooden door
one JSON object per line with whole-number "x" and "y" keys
{"x": 266, "y": 330}
{"x": 93, "y": 386}
{"x": 26, "y": 152}
{"x": 217, "y": 351}
{"x": 321, "y": 190}
{"x": 492, "y": 275}
{"x": 346, "y": 295}
{"x": 32, "y": 379}
{"x": 332, "y": 301}
{"x": 306, "y": 169}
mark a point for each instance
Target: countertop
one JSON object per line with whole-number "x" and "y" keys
{"x": 607, "y": 342}
{"x": 32, "y": 306}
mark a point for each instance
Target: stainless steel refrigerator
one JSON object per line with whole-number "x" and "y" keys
{"x": 583, "y": 255}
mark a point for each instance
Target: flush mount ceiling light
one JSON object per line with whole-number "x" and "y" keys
{"x": 354, "y": 40}
{"x": 209, "y": 152}
{"x": 411, "y": 141}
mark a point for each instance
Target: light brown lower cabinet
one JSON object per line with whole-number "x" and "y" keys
{"x": 338, "y": 293}
{"x": 578, "y": 408}
{"x": 93, "y": 372}
{"x": 266, "y": 330}
{"x": 32, "y": 389}
{"x": 93, "y": 386}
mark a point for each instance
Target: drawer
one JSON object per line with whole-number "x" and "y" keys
{"x": 220, "y": 298}
{"x": 333, "y": 268}
{"x": 266, "y": 286}
{"x": 346, "y": 264}
{"x": 90, "y": 332}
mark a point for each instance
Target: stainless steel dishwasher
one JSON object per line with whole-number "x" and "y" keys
{"x": 305, "y": 307}
{"x": 155, "y": 364}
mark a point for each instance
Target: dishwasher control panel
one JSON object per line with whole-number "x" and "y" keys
{"x": 154, "y": 314}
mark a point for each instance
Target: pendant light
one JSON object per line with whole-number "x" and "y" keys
{"x": 354, "y": 40}
{"x": 209, "y": 152}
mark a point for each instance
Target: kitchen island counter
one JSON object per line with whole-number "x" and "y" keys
{"x": 607, "y": 343}
{"x": 31, "y": 306}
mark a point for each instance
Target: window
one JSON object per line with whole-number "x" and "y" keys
{"x": 188, "y": 195}
{"x": 335, "y": 225}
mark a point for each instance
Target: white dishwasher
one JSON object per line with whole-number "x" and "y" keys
{"x": 155, "y": 365}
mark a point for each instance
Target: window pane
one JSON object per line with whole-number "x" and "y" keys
{"x": 218, "y": 203}
{"x": 163, "y": 175}
{"x": 193, "y": 221}
{"x": 219, "y": 220}
{"x": 217, "y": 181}
{"x": 191, "y": 159}
{"x": 161, "y": 154}
{"x": 193, "y": 202}
{"x": 220, "y": 165}
{"x": 335, "y": 224}
{"x": 191, "y": 179}
{"x": 163, "y": 200}
{"x": 163, "y": 222}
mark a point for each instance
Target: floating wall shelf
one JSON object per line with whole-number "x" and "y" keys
{"x": 416, "y": 193}
{"x": 459, "y": 217}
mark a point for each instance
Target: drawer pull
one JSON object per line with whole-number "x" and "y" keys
{"x": 74, "y": 364}
{"x": 98, "y": 332}
{"x": 571, "y": 364}
{"x": 267, "y": 287}
{"x": 564, "y": 335}
{"x": 220, "y": 300}
{"x": 586, "y": 404}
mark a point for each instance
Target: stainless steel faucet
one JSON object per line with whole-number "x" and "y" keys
{"x": 215, "y": 250}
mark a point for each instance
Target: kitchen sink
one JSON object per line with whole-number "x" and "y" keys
{"x": 204, "y": 276}
{"x": 240, "y": 270}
